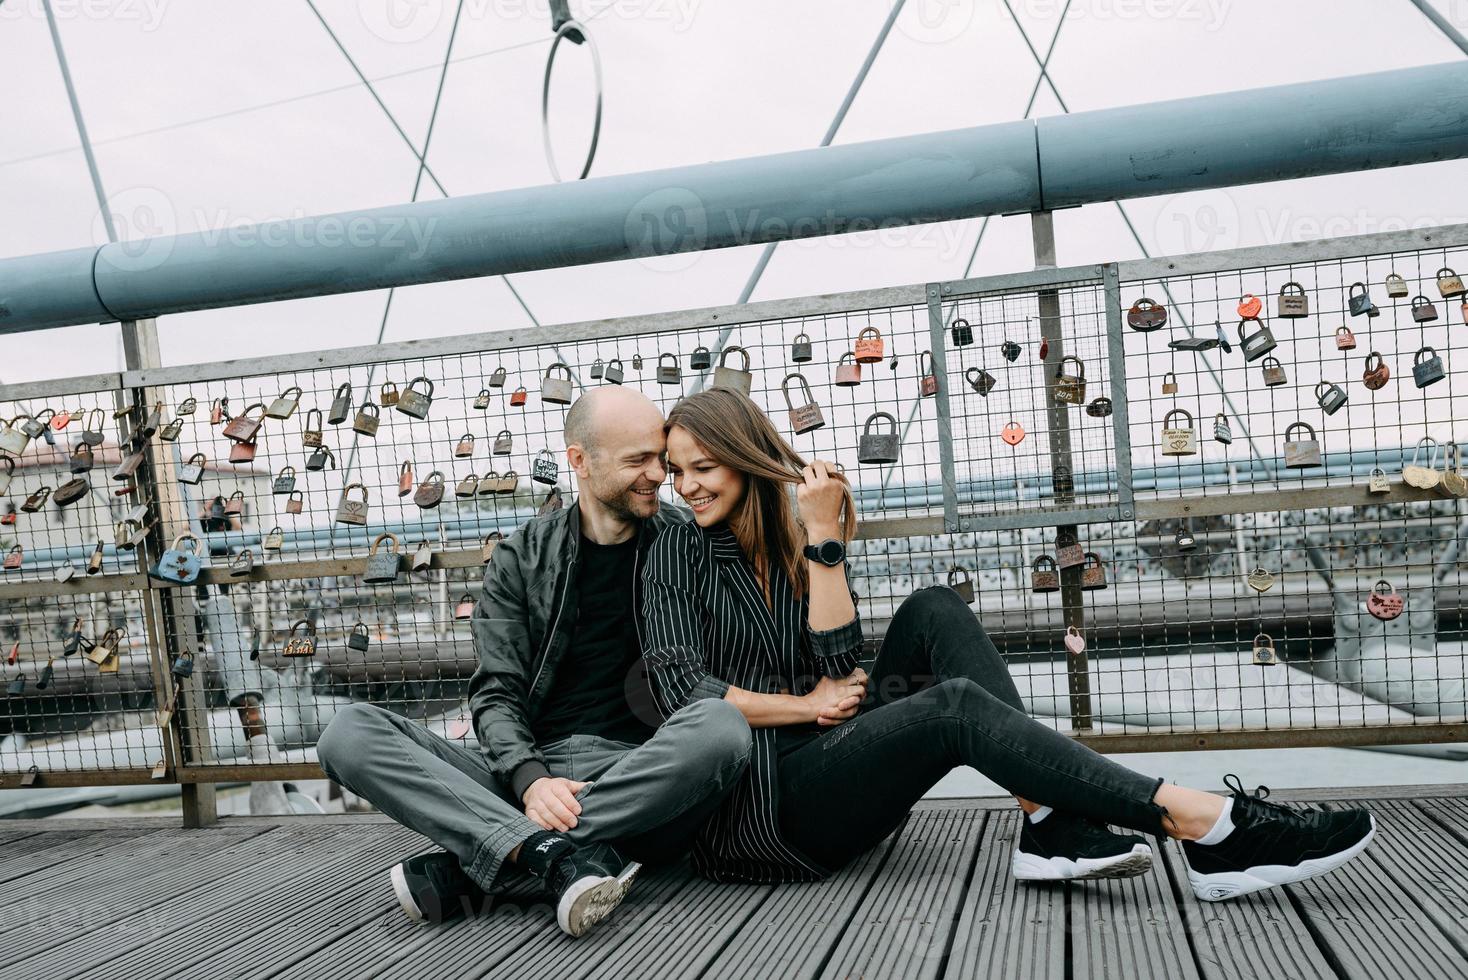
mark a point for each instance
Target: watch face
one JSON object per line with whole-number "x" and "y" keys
{"x": 831, "y": 552}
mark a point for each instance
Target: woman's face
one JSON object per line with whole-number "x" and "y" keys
{"x": 711, "y": 489}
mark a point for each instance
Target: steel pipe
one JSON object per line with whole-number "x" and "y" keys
{"x": 1408, "y": 116}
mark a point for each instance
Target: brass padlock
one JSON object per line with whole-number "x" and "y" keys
{"x": 598, "y": 368}
{"x": 869, "y": 346}
{"x": 464, "y": 608}
{"x": 1044, "y": 576}
{"x": 613, "y": 373}
{"x": 554, "y": 388}
{"x": 320, "y": 459}
{"x": 1255, "y": 345}
{"x": 1427, "y": 367}
{"x": 81, "y": 458}
{"x": 170, "y": 432}
{"x": 963, "y": 586}
{"x": 1169, "y": 383}
{"x": 1222, "y": 432}
{"x": 191, "y": 471}
{"x": 236, "y": 503}
{"x": 1301, "y": 453}
{"x": 284, "y": 406}
{"x": 349, "y": 511}
{"x": 962, "y": 333}
{"x": 1450, "y": 482}
{"x": 878, "y": 447}
{"x": 1179, "y": 440}
{"x": 1449, "y": 283}
{"x": 504, "y": 442}
{"x": 491, "y": 541}
{"x": 1396, "y": 286}
{"x": 733, "y": 379}
{"x": 415, "y": 402}
{"x": 1423, "y": 309}
{"x": 848, "y": 371}
{"x": 243, "y": 428}
{"x": 1260, "y": 580}
{"x": 358, "y": 639}
{"x": 669, "y": 373}
{"x": 430, "y": 492}
{"x": 106, "y": 647}
{"x": 188, "y": 406}
{"x": 1359, "y": 302}
{"x": 498, "y": 377}
{"x": 467, "y": 487}
{"x": 701, "y": 359}
{"x": 928, "y": 381}
{"x": 382, "y": 565}
{"x": 509, "y": 483}
{"x": 1146, "y": 315}
{"x": 1093, "y": 575}
{"x": 341, "y": 405}
{"x": 295, "y": 503}
{"x": 1378, "y": 482}
{"x": 1414, "y": 474}
{"x": 94, "y": 563}
{"x": 311, "y": 434}
{"x": 1264, "y": 651}
{"x": 807, "y": 416}
{"x": 544, "y": 469}
{"x": 1344, "y": 339}
{"x": 285, "y": 480}
{"x": 465, "y": 446}
{"x": 801, "y": 349}
{"x": 1377, "y": 373}
{"x": 1292, "y": 303}
{"x": 481, "y": 400}
{"x": 980, "y": 380}
{"x": 405, "y": 479}
{"x": 1070, "y": 388}
{"x": 1330, "y": 397}
{"x": 387, "y": 394}
{"x": 422, "y": 557}
{"x": 273, "y": 540}
{"x": 301, "y": 644}
{"x": 518, "y": 397}
{"x": 367, "y": 420}
{"x": 1068, "y": 553}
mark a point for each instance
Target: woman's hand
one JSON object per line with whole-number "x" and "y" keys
{"x": 819, "y": 497}
{"x": 837, "y": 699}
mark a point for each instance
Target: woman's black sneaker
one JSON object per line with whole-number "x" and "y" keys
{"x": 1272, "y": 844}
{"x": 434, "y": 888}
{"x": 589, "y": 883}
{"x": 1066, "y": 846}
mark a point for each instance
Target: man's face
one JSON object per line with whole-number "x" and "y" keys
{"x": 625, "y": 467}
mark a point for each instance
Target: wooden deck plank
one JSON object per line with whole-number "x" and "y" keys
{"x": 1006, "y": 927}
{"x": 793, "y": 932}
{"x": 46, "y": 850}
{"x": 1130, "y": 927}
{"x": 904, "y": 924}
{"x": 1258, "y": 936}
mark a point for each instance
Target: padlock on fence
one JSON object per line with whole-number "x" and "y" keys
{"x": 464, "y": 608}
{"x": 1376, "y": 373}
{"x": 733, "y": 379}
{"x": 321, "y": 458}
{"x": 1169, "y": 383}
{"x": 1396, "y": 286}
{"x": 1146, "y": 315}
{"x": 1044, "y": 575}
{"x": 555, "y": 386}
{"x": 807, "y": 416}
{"x": 302, "y": 643}
{"x": 544, "y": 468}
{"x": 382, "y": 563}
{"x": 1292, "y": 302}
{"x": 181, "y": 562}
{"x": 416, "y": 399}
{"x": 1274, "y": 373}
{"x": 467, "y": 487}
{"x": 613, "y": 374}
{"x": 1416, "y": 474}
{"x": 518, "y": 397}
{"x": 1070, "y": 389}
{"x": 1358, "y": 302}
{"x": 341, "y": 404}
{"x": 1250, "y": 306}
{"x": 1264, "y": 654}
{"x": 349, "y": 511}
{"x": 388, "y": 395}
{"x": 285, "y": 405}
{"x": 1427, "y": 367}
{"x": 1093, "y": 574}
{"x": 295, "y": 503}
{"x": 701, "y": 359}
{"x": 171, "y": 431}
{"x": 878, "y": 447}
{"x": 498, "y": 377}
{"x": 869, "y": 346}
{"x": 848, "y": 371}
{"x": 801, "y": 349}
{"x": 285, "y": 480}
{"x": 1423, "y": 309}
{"x": 1449, "y": 283}
{"x": 430, "y": 492}
{"x": 1385, "y": 602}
{"x": 464, "y": 448}
{"x": 358, "y": 639}
{"x": 963, "y": 586}
{"x": 1181, "y": 439}
{"x": 311, "y": 431}
{"x": 598, "y": 369}
{"x": 1099, "y": 408}
{"x": 669, "y": 372}
{"x": 1330, "y": 397}
{"x": 1255, "y": 345}
{"x": 961, "y": 332}
{"x": 1301, "y": 452}
{"x": 1068, "y": 552}
{"x": 274, "y": 540}
{"x": 980, "y": 380}
{"x": 928, "y": 381}
{"x": 1222, "y": 432}
{"x": 1377, "y": 481}
{"x": 367, "y": 420}
{"x": 243, "y": 427}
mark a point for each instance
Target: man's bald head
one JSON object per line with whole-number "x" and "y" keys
{"x": 602, "y": 412}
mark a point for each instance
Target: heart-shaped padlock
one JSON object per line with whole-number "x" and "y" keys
{"x": 1260, "y": 580}
{"x": 1013, "y": 433}
{"x": 1074, "y": 641}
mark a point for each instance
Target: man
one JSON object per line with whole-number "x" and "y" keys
{"x": 572, "y": 770}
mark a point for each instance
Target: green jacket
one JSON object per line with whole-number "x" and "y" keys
{"x": 523, "y": 625}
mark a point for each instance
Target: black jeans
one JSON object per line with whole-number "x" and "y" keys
{"x": 940, "y": 696}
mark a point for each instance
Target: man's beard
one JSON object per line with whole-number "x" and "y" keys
{"x": 623, "y": 504}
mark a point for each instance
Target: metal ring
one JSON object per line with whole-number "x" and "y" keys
{"x": 550, "y": 62}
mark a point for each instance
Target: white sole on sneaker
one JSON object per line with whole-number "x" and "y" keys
{"x": 1225, "y": 885}
{"x": 590, "y": 900}
{"x": 405, "y": 897}
{"x": 1032, "y": 867}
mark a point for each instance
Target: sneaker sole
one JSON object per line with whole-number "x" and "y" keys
{"x": 405, "y": 897}
{"x": 1032, "y": 867}
{"x": 1224, "y": 885}
{"x": 591, "y": 900}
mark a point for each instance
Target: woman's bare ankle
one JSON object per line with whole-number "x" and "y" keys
{"x": 1191, "y": 813}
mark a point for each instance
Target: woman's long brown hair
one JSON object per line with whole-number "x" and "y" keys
{"x": 735, "y": 433}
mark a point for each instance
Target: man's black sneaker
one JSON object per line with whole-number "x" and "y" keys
{"x": 589, "y": 882}
{"x": 1272, "y": 844}
{"x": 434, "y": 888}
{"x": 1066, "y": 846}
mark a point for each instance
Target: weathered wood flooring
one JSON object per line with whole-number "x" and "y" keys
{"x": 308, "y": 897}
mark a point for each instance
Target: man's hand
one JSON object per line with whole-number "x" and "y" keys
{"x": 551, "y": 802}
{"x": 838, "y": 699}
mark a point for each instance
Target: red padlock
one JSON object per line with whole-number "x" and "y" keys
{"x": 518, "y": 396}
{"x": 61, "y": 420}
{"x": 1384, "y": 601}
{"x": 1044, "y": 348}
{"x": 464, "y": 608}
{"x": 1013, "y": 433}
{"x": 1250, "y": 306}
{"x": 868, "y": 346}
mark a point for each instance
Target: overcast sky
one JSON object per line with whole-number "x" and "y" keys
{"x": 206, "y": 115}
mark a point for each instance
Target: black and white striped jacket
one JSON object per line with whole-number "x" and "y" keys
{"x": 707, "y": 627}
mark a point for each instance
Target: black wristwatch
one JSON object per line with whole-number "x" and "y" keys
{"x": 829, "y": 552}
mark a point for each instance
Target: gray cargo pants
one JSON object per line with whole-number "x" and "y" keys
{"x": 647, "y": 799}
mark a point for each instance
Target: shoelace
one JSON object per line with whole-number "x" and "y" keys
{"x": 1259, "y": 808}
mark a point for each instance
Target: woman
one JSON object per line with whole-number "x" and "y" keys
{"x": 750, "y": 603}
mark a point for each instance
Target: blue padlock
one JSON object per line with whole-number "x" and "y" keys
{"x": 180, "y": 563}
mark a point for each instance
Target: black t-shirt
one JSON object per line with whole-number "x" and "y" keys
{"x": 601, "y": 686}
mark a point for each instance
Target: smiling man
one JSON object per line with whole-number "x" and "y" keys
{"x": 560, "y": 692}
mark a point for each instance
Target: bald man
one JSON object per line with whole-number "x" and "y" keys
{"x": 573, "y": 782}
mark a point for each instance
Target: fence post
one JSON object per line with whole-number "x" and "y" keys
{"x": 946, "y": 466}
{"x": 1042, "y": 231}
